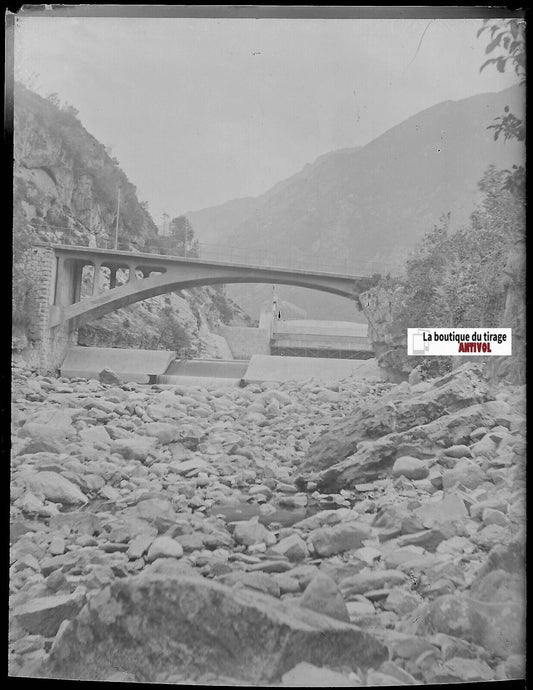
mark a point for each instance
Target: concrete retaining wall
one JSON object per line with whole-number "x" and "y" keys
{"x": 326, "y": 328}
{"x": 129, "y": 365}
{"x": 245, "y": 342}
{"x": 327, "y": 370}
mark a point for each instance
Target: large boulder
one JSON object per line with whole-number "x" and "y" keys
{"x": 498, "y": 626}
{"x": 397, "y": 411}
{"x": 328, "y": 541}
{"x": 147, "y": 625}
{"x": 323, "y": 595}
{"x": 375, "y": 458}
{"x": 54, "y": 487}
{"x": 44, "y": 615}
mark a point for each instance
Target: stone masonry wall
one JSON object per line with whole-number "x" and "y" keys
{"x": 46, "y": 349}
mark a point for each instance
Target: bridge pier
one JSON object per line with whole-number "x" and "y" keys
{"x": 48, "y": 346}
{"x": 96, "y": 278}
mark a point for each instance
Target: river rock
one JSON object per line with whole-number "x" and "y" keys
{"x": 43, "y": 438}
{"x": 401, "y": 601}
{"x": 406, "y": 646}
{"x": 379, "y": 678}
{"x": 202, "y": 625}
{"x": 292, "y": 547}
{"x": 94, "y": 434}
{"x": 498, "y": 586}
{"x": 164, "y": 547}
{"x": 54, "y": 487}
{"x": 165, "y": 433}
{"x": 509, "y": 557}
{"x": 496, "y": 503}
{"x": 499, "y": 627}
{"x": 428, "y": 539}
{"x": 305, "y": 675}
{"x": 253, "y": 532}
{"x": 323, "y": 595}
{"x": 462, "y": 670}
{"x": 259, "y": 581}
{"x": 76, "y": 521}
{"x": 109, "y": 377}
{"x": 44, "y": 615}
{"x": 170, "y": 567}
{"x": 409, "y": 467}
{"x": 465, "y": 473}
{"x": 372, "y": 580}
{"x": 515, "y": 666}
{"x": 60, "y": 420}
{"x": 328, "y": 541}
{"x": 450, "y": 508}
{"x": 157, "y": 511}
{"x": 134, "y": 448}
{"x": 138, "y": 546}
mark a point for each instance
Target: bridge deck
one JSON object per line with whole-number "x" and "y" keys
{"x": 121, "y": 256}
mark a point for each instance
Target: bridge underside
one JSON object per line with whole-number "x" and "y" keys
{"x": 152, "y": 275}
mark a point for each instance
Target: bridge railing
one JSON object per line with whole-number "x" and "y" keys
{"x": 255, "y": 256}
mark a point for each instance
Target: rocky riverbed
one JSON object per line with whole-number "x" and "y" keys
{"x": 283, "y": 534}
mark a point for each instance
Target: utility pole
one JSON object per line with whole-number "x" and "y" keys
{"x": 116, "y": 224}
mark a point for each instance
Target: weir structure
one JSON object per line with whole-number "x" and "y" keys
{"x": 119, "y": 278}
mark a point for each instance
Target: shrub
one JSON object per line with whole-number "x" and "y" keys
{"x": 24, "y": 289}
{"x": 173, "y": 334}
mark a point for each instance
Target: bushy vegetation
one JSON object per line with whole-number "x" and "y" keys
{"x": 173, "y": 335}
{"x": 459, "y": 279}
{"x": 24, "y": 289}
{"x": 220, "y": 301}
{"x": 472, "y": 277}
{"x": 180, "y": 240}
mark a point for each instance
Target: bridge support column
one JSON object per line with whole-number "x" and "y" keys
{"x": 96, "y": 278}
{"x": 133, "y": 277}
{"x": 112, "y": 277}
{"x": 58, "y": 284}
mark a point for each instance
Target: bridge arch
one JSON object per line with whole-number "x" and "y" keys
{"x": 60, "y": 307}
{"x": 137, "y": 290}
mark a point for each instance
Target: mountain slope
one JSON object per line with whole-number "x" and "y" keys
{"x": 370, "y": 205}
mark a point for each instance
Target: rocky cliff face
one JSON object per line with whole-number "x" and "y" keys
{"x": 66, "y": 183}
{"x": 65, "y": 190}
{"x": 388, "y": 338}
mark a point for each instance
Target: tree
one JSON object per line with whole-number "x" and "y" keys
{"x": 24, "y": 288}
{"x": 164, "y": 225}
{"x": 182, "y": 234}
{"x": 69, "y": 109}
{"x": 507, "y": 36}
{"x": 54, "y": 99}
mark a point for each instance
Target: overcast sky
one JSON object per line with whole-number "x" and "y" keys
{"x": 201, "y": 111}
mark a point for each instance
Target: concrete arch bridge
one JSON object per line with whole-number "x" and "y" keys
{"x": 132, "y": 277}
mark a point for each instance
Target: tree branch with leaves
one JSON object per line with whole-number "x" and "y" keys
{"x": 507, "y": 36}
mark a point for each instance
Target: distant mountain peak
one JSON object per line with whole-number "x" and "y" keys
{"x": 369, "y": 205}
